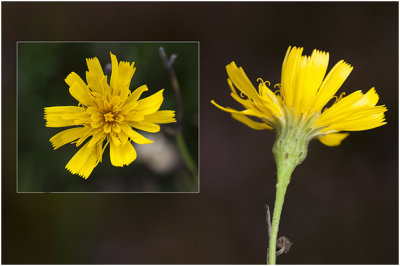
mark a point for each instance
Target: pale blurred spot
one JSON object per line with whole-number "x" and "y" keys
{"x": 161, "y": 156}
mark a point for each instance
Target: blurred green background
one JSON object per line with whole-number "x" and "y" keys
{"x": 42, "y": 68}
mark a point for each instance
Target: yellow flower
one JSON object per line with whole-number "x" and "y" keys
{"x": 304, "y": 92}
{"x": 105, "y": 113}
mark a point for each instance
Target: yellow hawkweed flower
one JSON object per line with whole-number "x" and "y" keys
{"x": 304, "y": 91}
{"x": 105, "y": 113}
{"x": 296, "y": 113}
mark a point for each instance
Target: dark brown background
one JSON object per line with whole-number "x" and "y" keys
{"x": 342, "y": 204}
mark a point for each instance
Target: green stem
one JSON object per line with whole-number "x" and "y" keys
{"x": 279, "y": 199}
{"x": 187, "y": 158}
{"x": 290, "y": 150}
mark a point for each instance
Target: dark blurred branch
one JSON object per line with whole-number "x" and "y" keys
{"x": 168, "y": 63}
{"x": 177, "y": 131}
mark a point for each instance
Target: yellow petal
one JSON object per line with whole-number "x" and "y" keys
{"x": 361, "y": 120}
{"x": 93, "y": 82}
{"x": 251, "y": 123}
{"x": 333, "y": 139}
{"x": 121, "y": 155}
{"x": 125, "y": 74}
{"x": 309, "y": 76}
{"x": 78, "y": 89}
{"x": 115, "y": 138}
{"x": 95, "y": 67}
{"x": 290, "y": 67}
{"x": 145, "y": 126}
{"x": 96, "y": 123}
{"x": 114, "y": 73}
{"x": 151, "y": 104}
{"x": 271, "y": 101}
{"x": 244, "y": 112}
{"x": 84, "y": 161}
{"x": 123, "y": 138}
{"x": 134, "y": 116}
{"x": 247, "y": 103}
{"x": 161, "y": 117}
{"x": 241, "y": 81}
{"x": 97, "y": 137}
{"x": 331, "y": 84}
{"x": 136, "y": 137}
{"x": 135, "y": 95}
{"x": 95, "y": 75}
{"x": 354, "y": 112}
{"x": 64, "y": 116}
{"x": 107, "y": 128}
{"x": 121, "y": 77}
{"x": 87, "y": 134}
{"x": 67, "y": 136}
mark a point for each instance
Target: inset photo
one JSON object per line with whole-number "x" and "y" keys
{"x": 107, "y": 117}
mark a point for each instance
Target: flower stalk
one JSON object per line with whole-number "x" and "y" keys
{"x": 290, "y": 149}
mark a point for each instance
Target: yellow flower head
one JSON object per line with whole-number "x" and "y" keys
{"x": 106, "y": 113}
{"x": 303, "y": 93}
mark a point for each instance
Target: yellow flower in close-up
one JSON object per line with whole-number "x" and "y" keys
{"x": 300, "y": 111}
{"x": 303, "y": 93}
{"x": 107, "y": 113}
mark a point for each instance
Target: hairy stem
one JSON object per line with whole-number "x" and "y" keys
{"x": 281, "y": 187}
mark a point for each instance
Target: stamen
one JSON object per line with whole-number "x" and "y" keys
{"x": 262, "y": 81}
{"x": 338, "y": 98}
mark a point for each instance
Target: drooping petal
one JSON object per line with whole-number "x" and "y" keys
{"x": 249, "y": 122}
{"x": 251, "y": 112}
{"x": 333, "y": 139}
{"x": 242, "y": 82}
{"x": 121, "y": 155}
{"x": 247, "y": 103}
{"x": 161, "y": 117}
{"x": 67, "y": 136}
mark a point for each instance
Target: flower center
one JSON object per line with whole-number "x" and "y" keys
{"x": 110, "y": 117}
